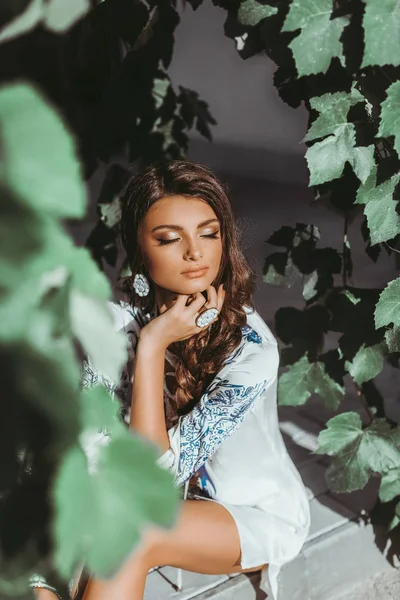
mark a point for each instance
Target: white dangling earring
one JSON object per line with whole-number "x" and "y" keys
{"x": 141, "y": 285}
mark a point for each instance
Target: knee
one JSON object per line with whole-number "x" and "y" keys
{"x": 152, "y": 546}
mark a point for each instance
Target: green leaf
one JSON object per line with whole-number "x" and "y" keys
{"x": 390, "y": 115}
{"x": 390, "y": 485}
{"x": 55, "y": 292}
{"x": 333, "y": 109}
{"x": 309, "y": 289}
{"x": 26, "y": 284}
{"x": 74, "y": 522}
{"x": 383, "y": 219}
{"x": 396, "y": 519}
{"x": 252, "y": 12}
{"x": 367, "y": 363}
{"x": 166, "y": 130}
{"x": 274, "y": 264}
{"x": 194, "y": 111}
{"x": 327, "y": 158}
{"x": 303, "y": 379}
{"x": 56, "y": 14}
{"x": 392, "y": 337}
{"x": 387, "y": 310}
{"x": 99, "y": 410}
{"x": 22, "y": 22}
{"x": 48, "y": 180}
{"x": 159, "y": 91}
{"x": 111, "y": 212}
{"x": 319, "y": 39}
{"x": 351, "y": 297}
{"x": 380, "y": 210}
{"x": 49, "y": 384}
{"x": 60, "y": 250}
{"x": 93, "y": 323}
{"x": 363, "y": 161}
{"x": 21, "y": 235}
{"x": 98, "y": 516}
{"x": 381, "y": 33}
{"x": 60, "y": 16}
{"x": 369, "y": 191}
{"x": 358, "y": 453}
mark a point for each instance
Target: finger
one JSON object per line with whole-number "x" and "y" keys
{"x": 198, "y": 303}
{"x": 212, "y": 297}
{"x": 221, "y": 297}
{"x": 181, "y": 300}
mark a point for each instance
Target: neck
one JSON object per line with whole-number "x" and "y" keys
{"x": 164, "y": 299}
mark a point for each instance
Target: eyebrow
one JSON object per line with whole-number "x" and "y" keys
{"x": 179, "y": 228}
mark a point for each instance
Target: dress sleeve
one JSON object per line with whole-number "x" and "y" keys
{"x": 220, "y": 411}
{"x": 92, "y": 376}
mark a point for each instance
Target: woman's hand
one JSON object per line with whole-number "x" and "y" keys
{"x": 178, "y": 323}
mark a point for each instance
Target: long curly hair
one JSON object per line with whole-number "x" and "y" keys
{"x": 202, "y": 356}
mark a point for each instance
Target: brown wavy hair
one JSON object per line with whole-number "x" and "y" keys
{"x": 202, "y": 356}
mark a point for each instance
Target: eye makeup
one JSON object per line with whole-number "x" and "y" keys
{"x": 213, "y": 236}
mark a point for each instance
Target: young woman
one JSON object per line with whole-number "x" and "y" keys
{"x": 201, "y": 384}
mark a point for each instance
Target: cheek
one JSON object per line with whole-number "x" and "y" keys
{"x": 219, "y": 251}
{"x": 160, "y": 261}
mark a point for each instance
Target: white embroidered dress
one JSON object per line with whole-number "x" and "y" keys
{"x": 230, "y": 443}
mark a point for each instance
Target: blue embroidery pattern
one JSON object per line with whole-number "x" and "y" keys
{"x": 250, "y": 335}
{"x": 92, "y": 377}
{"x": 218, "y": 414}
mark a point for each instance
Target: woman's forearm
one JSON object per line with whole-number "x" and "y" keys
{"x": 147, "y": 407}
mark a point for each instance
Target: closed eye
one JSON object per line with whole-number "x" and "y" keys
{"x": 213, "y": 236}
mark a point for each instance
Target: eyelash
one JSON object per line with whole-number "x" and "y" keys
{"x": 213, "y": 236}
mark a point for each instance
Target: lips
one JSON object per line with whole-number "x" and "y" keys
{"x": 197, "y": 270}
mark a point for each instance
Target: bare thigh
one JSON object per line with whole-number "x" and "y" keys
{"x": 204, "y": 539}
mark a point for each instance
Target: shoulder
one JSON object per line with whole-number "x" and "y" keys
{"x": 127, "y": 316}
{"x": 258, "y": 352}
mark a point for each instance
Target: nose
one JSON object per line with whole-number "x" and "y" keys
{"x": 193, "y": 250}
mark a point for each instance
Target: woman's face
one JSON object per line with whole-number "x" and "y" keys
{"x": 181, "y": 234}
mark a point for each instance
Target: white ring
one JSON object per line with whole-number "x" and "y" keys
{"x": 206, "y": 317}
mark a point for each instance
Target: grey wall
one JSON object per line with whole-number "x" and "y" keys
{"x": 257, "y": 133}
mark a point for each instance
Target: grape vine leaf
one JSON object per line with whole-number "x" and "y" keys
{"x": 327, "y": 158}
{"x": 390, "y": 115}
{"x": 309, "y": 288}
{"x": 350, "y": 296}
{"x": 280, "y": 270}
{"x": 127, "y": 490}
{"x": 48, "y": 181}
{"x": 380, "y": 207}
{"x": 303, "y": 379}
{"x": 252, "y": 12}
{"x": 111, "y": 212}
{"x": 55, "y": 14}
{"x": 159, "y": 91}
{"x": 59, "y": 16}
{"x": 98, "y": 409}
{"x": 381, "y": 33}
{"x": 358, "y": 452}
{"x": 390, "y": 485}
{"x": 92, "y": 322}
{"x": 392, "y": 337}
{"x": 366, "y": 364}
{"x": 311, "y": 54}
{"x": 396, "y": 518}
{"x": 387, "y": 310}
